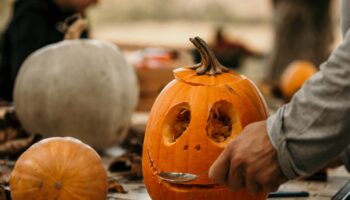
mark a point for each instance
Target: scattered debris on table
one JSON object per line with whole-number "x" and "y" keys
{"x": 14, "y": 140}
{"x": 128, "y": 164}
{"x": 115, "y": 187}
{"x": 4, "y": 194}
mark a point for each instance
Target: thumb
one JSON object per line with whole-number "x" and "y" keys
{"x": 219, "y": 169}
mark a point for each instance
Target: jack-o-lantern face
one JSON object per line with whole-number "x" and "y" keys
{"x": 191, "y": 122}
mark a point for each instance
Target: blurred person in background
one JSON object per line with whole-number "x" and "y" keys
{"x": 302, "y": 137}
{"x": 34, "y": 24}
{"x": 303, "y": 30}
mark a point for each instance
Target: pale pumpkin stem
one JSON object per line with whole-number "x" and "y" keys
{"x": 75, "y": 30}
{"x": 209, "y": 64}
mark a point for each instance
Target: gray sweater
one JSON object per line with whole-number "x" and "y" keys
{"x": 315, "y": 126}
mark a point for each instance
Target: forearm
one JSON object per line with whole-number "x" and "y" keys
{"x": 314, "y": 127}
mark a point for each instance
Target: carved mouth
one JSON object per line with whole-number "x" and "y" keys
{"x": 179, "y": 186}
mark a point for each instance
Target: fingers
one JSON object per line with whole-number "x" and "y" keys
{"x": 223, "y": 171}
{"x": 219, "y": 170}
{"x": 252, "y": 185}
{"x": 236, "y": 179}
{"x": 271, "y": 178}
{"x": 272, "y": 185}
{"x": 249, "y": 162}
{"x": 236, "y": 174}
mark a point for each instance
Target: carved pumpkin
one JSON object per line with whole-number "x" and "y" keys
{"x": 59, "y": 168}
{"x": 79, "y": 88}
{"x": 193, "y": 119}
{"x": 294, "y": 77}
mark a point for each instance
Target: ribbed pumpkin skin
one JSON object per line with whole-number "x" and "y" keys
{"x": 79, "y": 88}
{"x": 59, "y": 168}
{"x": 295, "y": 76}
{"x": 194, "y": 151}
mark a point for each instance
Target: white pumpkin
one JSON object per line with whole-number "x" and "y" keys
{"x": 78, "y": 88}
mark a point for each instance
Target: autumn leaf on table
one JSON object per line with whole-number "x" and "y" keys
{"x": 13, "y": 138}
{"x": 128, "y": 164}
{"x": 115, "y": 187}
{"x": 4, "y": 194}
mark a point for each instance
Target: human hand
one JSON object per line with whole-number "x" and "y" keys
{"x": 250, "y": 162}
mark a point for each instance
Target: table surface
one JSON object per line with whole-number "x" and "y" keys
{"x": 318, "y": 190}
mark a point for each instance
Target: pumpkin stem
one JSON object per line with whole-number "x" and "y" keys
{"x": 75, "y": 30}
{"x": 58, "y": 185}
{"x": 209, "y": 64}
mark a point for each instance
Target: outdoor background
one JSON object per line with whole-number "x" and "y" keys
{"x": 153, "y": 22}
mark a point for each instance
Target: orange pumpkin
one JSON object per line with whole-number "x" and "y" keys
{"x": 59, "y": 168}
{"x": 294, "y": 77}
{"x": 192, "y": 120}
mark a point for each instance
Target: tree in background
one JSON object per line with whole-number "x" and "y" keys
{"x": 303, "y": 30}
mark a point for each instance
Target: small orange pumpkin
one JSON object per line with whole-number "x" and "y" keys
{"x": 59, "y": 168}
{"x": 192, "y": 121}
{"x": 294, "y": 77}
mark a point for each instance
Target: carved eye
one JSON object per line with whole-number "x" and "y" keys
{"x": 176, "y": 122}
{"x": 222, "y": 122}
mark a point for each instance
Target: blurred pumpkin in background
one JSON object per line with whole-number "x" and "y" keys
{"x": 153, "y": 58}
{"x": 59, "y": 168}
{"x": 79, "y": 88}
{"x": 295, "y": 76}
{"x": 191, "y": 122}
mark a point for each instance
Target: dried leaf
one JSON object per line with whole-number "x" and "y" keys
{"x": 2, "y": 136}
{"x": 11, "y": 133}
{"x": 128, "y": 164}
{"x": 17, "y": 146}
{"x": 13, "y": 138}
{"x": 4, "y": 194}
{"x": 115, "y": 187}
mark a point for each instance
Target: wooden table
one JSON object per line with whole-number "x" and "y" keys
{"x": 318, "y": 190}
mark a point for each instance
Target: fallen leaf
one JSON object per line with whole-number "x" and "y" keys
{"x": 115, "y": 187}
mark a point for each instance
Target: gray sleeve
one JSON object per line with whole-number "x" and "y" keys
{"x": 315, "y": 126}
{"x": 345, "y": 15}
